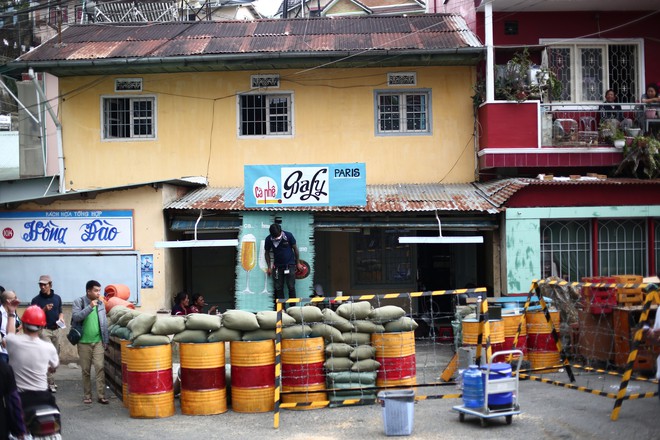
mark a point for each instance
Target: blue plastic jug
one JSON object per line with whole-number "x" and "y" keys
{"x": 473, "y": 388}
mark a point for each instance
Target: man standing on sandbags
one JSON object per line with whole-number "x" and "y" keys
{"x": 90, "y": 311}
{"x": 286, "y": 261}
{"x": 51, "y": 304}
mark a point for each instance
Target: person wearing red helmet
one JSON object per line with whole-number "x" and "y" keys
{"x": 32, "y": 358}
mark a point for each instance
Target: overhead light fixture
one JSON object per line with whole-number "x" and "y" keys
{"x": 440, "y": 239}
{"x": 197, "y": 243}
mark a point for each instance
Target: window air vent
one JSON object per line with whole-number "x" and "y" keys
{"x": 128, "y": 85}
{"x": 402, "y": 79}
{"x": 264, "y": 81}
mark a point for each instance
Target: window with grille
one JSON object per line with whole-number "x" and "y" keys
{"x": 587, "y": 70}
{"x": 379, "y": 259}
{"x": 266, "y": 115}
{"x": 566, "y": 249}
{"x": 129, "y": 118}
{"x": 403, "y": 112}
{"x": 622, "y": 247}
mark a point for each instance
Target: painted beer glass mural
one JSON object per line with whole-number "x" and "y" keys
{"x": 263, "y": 265}
{"x": 248, "y": 258}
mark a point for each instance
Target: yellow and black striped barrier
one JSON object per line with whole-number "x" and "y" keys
{"x": 323, "y": 299}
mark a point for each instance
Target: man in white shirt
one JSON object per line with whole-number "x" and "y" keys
{"x": 8, "y": 304}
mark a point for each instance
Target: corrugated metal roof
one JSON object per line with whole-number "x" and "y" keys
{"x": 427, "y": 34}
{"x": 380, "y": 198}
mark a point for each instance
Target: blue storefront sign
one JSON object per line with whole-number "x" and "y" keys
{"x": 268, "y": 186}
{"x": 46, "y": 230}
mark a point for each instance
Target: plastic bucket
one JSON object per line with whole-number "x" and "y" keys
{"x": 398, "y": 411}
{"x": 203, "y": 386}
{"x": 302, "y": 370}
{"x": 396, "y": 354}
{"x": 252, "y": 376}
{"x": 498, "y": 371}
{"x": 149, "y": 371}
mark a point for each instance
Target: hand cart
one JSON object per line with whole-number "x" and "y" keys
{"x": 496, "y": 386}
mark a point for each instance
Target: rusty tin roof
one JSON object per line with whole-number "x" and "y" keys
{"x": 398, "y": 198}
{"x": 223, "y": 45}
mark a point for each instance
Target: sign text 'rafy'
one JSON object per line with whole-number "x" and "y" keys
{"x": 43, "y": 230}
{"x": 305, "y": 185}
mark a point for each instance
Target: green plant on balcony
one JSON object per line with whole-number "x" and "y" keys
{"x": 641, "y": 159}
{"x": 514, "y": 83}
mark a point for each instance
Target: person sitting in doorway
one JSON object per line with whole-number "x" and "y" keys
{"x": 181, "y": 304}
{"x": 198, "y": 305}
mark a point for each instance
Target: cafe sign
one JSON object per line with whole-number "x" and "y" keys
{"x": 50, "y": 230}
{"x": 268, "y": 186}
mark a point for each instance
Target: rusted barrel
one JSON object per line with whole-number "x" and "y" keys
{"x": 302, "y": 371}
{"x": 203, "y": 386}
{"x": 541, "y": 348}
{"x": 149, "y": 371}
{"x": 396, "y": 354}
{"x": 252, "y": 376}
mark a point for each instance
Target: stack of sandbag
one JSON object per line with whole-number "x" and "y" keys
{"x": 118, "y": 317}
{"x": 357, "y": 314}
{"x": 198, "y": 327}
{"x": 239, "y": 325}
{"x": 348, "y": 371}
{"x": 393, "y": 319}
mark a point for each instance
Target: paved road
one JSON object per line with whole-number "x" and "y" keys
{"x": 549, "y": 412}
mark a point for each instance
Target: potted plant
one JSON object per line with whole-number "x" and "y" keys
{"x": 619, "y": 138}
{"x": 513, "y": 80}
{"x": 641, "y": 159}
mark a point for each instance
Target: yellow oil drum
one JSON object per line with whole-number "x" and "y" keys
{"x": 470, "y": 329}
{"x": 541, "y": 347}
{"x": 302, "y": 371}
{"x": 511, "y": 323}
{"x": 124, "y": 343}
{"x": 252, "y": 376}
{"x": 396, "y": 354}
{"x": 149, "y": 370}
{"x": 203, "y": 386}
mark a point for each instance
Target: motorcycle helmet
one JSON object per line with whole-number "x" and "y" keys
{"x": 34, "y": 318}
{"x": 303, "y": 270}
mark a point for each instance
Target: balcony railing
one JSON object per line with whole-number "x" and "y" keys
{"x": 577, "y": 125}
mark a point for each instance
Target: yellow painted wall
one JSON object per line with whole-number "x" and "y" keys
{"x": 149, "y": 227}
{"x": 333, "y": 122}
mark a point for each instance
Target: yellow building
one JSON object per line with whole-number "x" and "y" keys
{"x": 143, "y": 108}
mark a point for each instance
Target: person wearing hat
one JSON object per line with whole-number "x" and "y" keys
{"x": 51, "y": 304}
{"x": 286, "y": 261}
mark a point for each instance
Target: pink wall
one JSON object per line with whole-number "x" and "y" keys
{"x": 535, "y": 25}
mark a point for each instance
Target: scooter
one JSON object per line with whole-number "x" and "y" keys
{"x": 41, "y": 415}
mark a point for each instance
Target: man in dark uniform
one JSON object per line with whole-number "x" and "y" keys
{"x": 51, "y": 304}
{"x": 286, "y": 261}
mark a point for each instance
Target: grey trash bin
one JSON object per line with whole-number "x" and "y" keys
{"x": 398, "y": 411}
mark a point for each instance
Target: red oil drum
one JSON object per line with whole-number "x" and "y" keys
{"x": 203, "y": 386}
{"x": 541, "y": 348}
{"x": 396, "y": 354}
{"x": 252, "y": 376}
{"x": 149, "y": 370}
{"x": 302, "y": 371}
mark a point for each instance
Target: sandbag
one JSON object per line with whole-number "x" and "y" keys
{"x": 338, "y": 349}
{"x": 305, "y": 314}
{"x": 338, "y": 364}
{"x": 169, "y": 325}
{"x": 141, "y": 324}
{"x": 365, "y": 365}
{"x": 202, "y": 321}
{"x": 126, "y": 318}
{"x": 403, "y": 324}
{"x": 196, "y": 336}
{"x": 355, "y": 310}
{"x": 327, "y": 332}
{"x": 225, "y": 334}
{"x": 355, "y": 339}
{"x": 268, "y": 319}
{"x": 296, "y": 332}
{"x": 117, "y": 290}
{"x": 364, "y": 326}
{"x": 123, "y": 333}
{"x": 351, "y": 377}
{"x": 240, "y": 320}
{"x": 258, "y": 335}
{"x": 116, "y": 313}
{"x": 381, "y": 315}
{"x": 148, "y": 340}
{"x": 363, "y": 352}
{"x": 340, "y": 323}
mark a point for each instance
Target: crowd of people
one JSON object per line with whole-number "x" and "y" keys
{"x": 29, "y": 350}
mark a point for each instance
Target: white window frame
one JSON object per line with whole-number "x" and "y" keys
{"x": 132, "y": 137}
{"x": 403, "y": 130}
{"x": 576, "y": 80}
{"x": 279, "y": 94}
